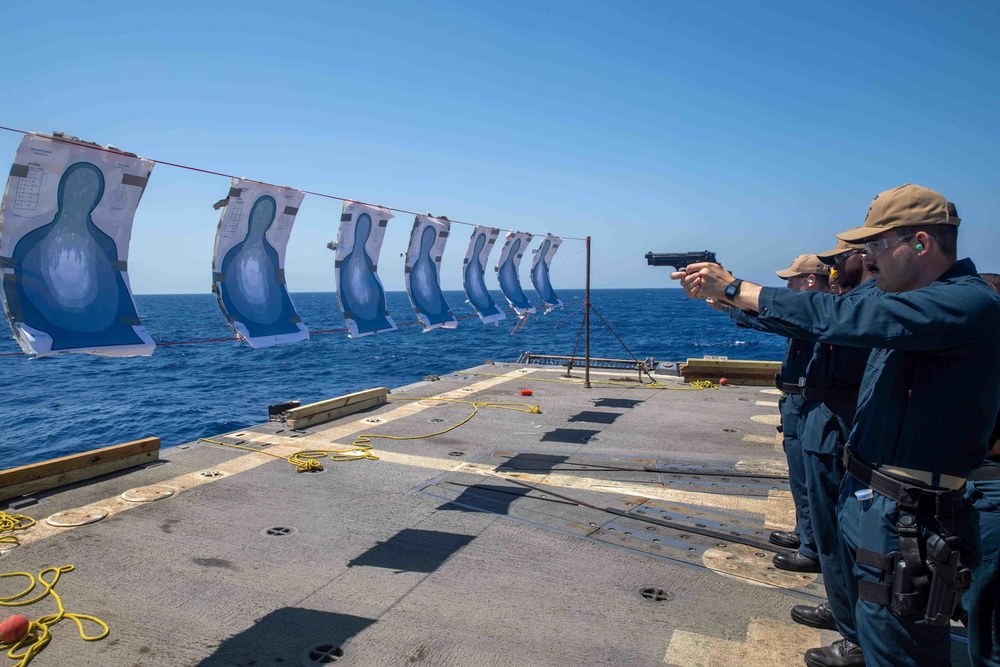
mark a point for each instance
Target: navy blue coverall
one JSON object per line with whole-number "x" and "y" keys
{"x": 929, "y": 344}
{"x": 824, "y": 428}
{"x": 793, "y": 366}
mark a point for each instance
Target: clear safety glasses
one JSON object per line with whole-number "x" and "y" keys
{"x": 875, "y": 248}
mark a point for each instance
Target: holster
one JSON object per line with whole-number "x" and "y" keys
{"x": 926, "y": 576}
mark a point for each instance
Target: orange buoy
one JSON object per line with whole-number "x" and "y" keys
{"x": 525, "y": 392}
{"x": 723, "y": 381}
{"x": 13, "y": 629}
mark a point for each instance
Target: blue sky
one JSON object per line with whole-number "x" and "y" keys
{"x": 757, "y": 130}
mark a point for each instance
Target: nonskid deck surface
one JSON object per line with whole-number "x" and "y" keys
{"x": 622, "y": 525}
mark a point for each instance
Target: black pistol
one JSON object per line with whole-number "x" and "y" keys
{"x": 679, "y": 260}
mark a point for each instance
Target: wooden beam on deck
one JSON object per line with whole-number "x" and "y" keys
{"x": 77, "y": 467}
{"x": 334, "y": 408}
{"x": 735, "y": 371}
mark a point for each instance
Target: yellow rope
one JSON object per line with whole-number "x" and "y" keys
{"x": 308, "y": 460}
{"x": 38, "y": 635}
{"x": 11, "y": 522}
{"x": 704, "y": 384}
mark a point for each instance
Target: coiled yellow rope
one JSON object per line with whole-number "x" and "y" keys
{"x": 307, "y": 460}
{"x": 11, "y": 522}
{"x": 38, "y": 635}
{"x": 703, "y": 384}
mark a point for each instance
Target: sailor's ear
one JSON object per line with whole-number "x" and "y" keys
{"x": 923, "y": 240}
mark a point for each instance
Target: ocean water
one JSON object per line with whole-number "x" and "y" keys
{"x": 73, "y": 403}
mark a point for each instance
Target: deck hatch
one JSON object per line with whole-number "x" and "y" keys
{"x": 148, "y": 494}
{"x": 77, "y": 517}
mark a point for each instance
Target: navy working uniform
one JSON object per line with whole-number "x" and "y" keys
{"x": 928, "y": 344}
{"x": 793, "y": 366}
{"x": 830, "y": 396}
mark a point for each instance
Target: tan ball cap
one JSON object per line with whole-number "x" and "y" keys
{"x": 829, "y": 256}
{"x": 906, "y": 206}
{"x": 804, "y": 265}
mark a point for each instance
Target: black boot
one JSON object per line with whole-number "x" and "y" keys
{"x": 795, "y": 562}
{"x": 788, "y": 539}
{"x": 842, "y": 653}
{"x": 815, "y": 617}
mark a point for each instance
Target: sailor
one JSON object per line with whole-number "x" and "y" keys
{"x": 807, "y": 273}
{"x": 828, "y": 393}
{"x": 907, "y": 533}
{"x": 982, "y": 600}
{"x": 829, "y": 401}
{"x": 847, "y": 270}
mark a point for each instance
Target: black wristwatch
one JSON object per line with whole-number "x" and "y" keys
{"x": 733, "y": 289}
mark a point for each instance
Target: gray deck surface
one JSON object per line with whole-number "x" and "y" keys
{"x": 503, "y": 542}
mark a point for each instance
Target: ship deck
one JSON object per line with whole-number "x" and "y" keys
{"x": 517, "y": 539}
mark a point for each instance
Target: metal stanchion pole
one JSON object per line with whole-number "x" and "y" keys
{"x": 586, "y": 319}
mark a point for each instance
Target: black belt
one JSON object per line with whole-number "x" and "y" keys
{"x": 829, "y": 395}
{"x": 910, "y": 493}
{"x": 786, "y": 387}
{"x": 984, "y": 473}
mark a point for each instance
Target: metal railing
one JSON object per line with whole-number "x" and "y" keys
{"x": 595, "y": 362}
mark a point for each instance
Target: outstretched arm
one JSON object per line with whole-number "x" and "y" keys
{"x": 708, "y": 281}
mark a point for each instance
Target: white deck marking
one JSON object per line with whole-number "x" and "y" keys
{"x": 768, "y": 643}
{"x": 777, "y": 508}
{"x": 767, "y": 404}
{"x": 770, "y": 420}
{"x": 749, "y": 565}
{"x": 762, "y": 439}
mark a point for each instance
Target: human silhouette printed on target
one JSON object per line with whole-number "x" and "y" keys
{"x": 425, "y": 289}
{"x": 250, "y": 291}
{"x": 361, "y": 295}
{"x": 509, "y": 283}
{"x": 540, "y": 276}
{"x": 475, "y": 284}
{"x": 66, "y": 282}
